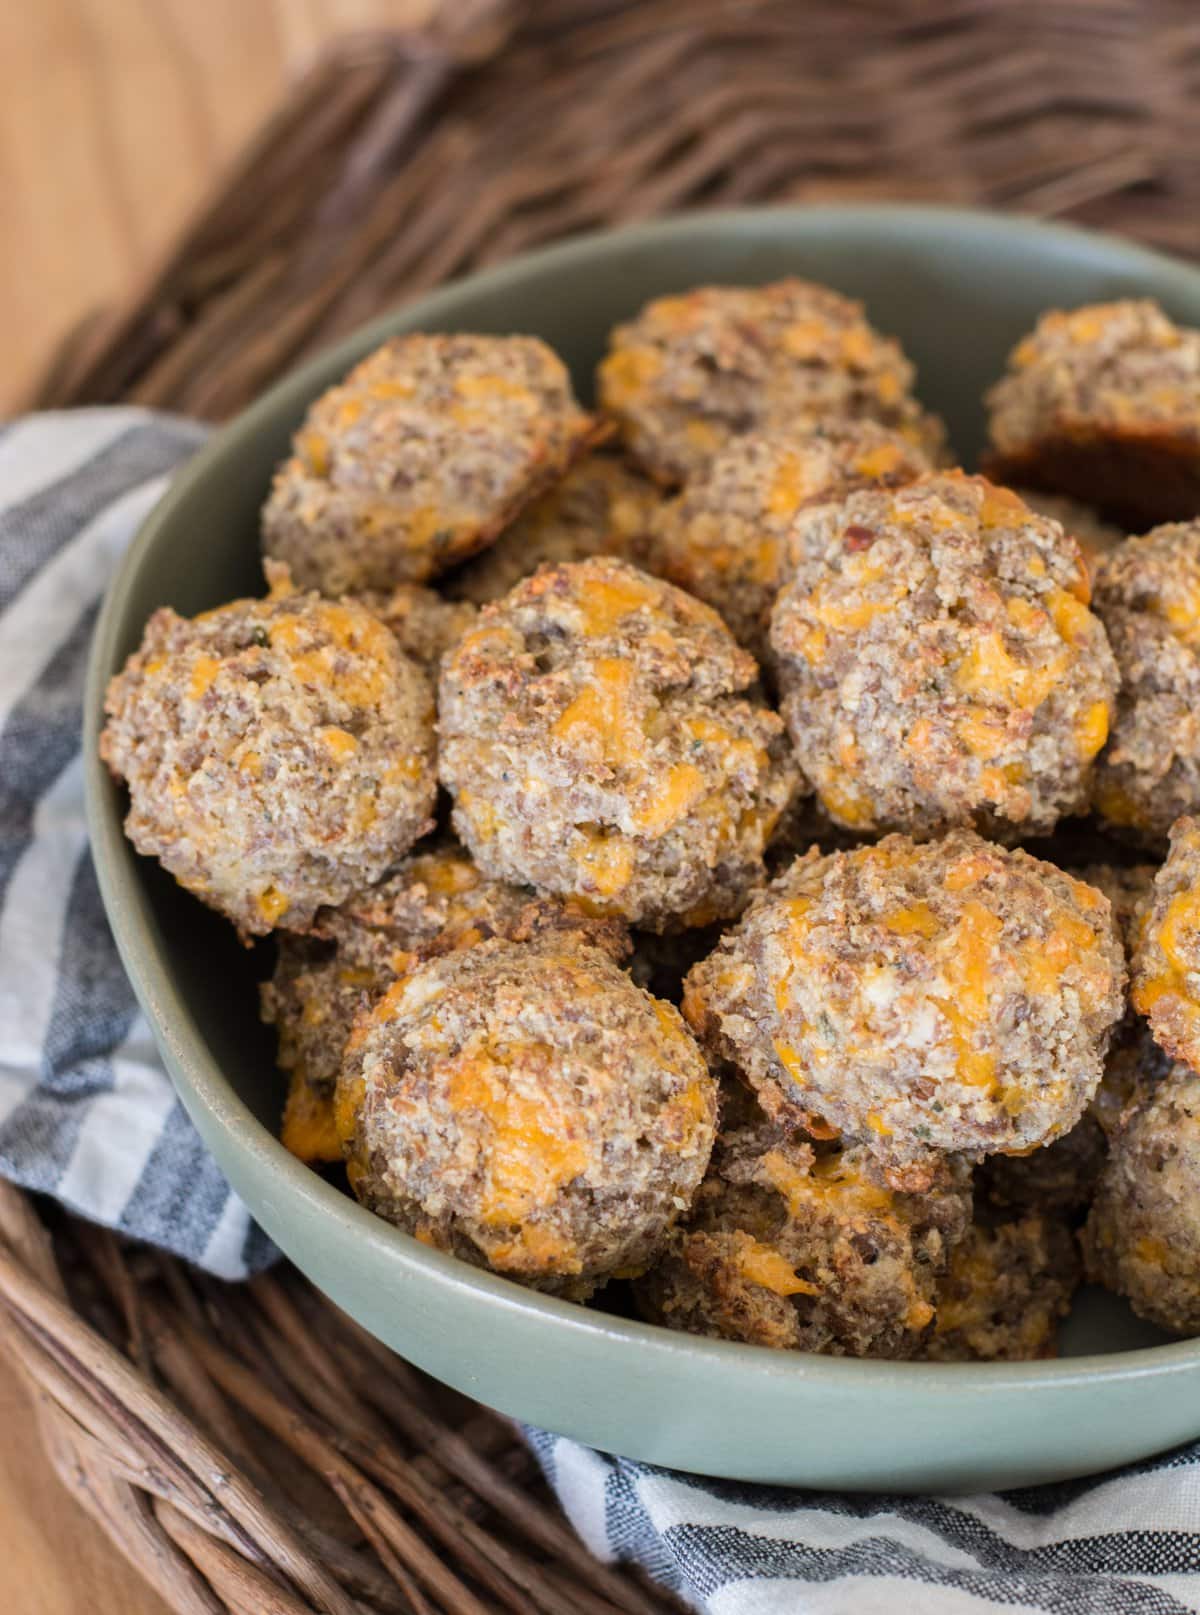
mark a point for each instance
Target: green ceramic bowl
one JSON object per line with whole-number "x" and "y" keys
{"x": 958, "y": 289}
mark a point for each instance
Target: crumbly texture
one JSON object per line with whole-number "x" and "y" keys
{"x": 1087, "y": 527}
{"x": 596, "y": 744}
{"x": 436, "y": 901}
{"x": 1103, "y": 403}
{"x": 1166, "y": 966}
{"x": 939, "y": 663}
{"x": 425, "y": 625}
{"x": 419, "y": 458}
{"x": 279, "y": 754}
{"x": 949, "y": 995}
{"x": 530, "y": 1109}
{"x": 1142, "y": 1238}
{"x": 726, "y": 537}
{"x": 1008, "y": 1287}
{"x": 1058, "y": 1179}
{"x": 601, "y": 507}
{"x": 691, "y": 372}
{"x": 808, "y": 1250}
{"x": 1148, "y": 597}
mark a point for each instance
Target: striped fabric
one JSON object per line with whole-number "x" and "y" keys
{"x": 87, "y": 1114}
{"x": 86, "y": 1110}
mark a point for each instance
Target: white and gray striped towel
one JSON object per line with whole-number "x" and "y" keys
{"x": 87, "y": 1115}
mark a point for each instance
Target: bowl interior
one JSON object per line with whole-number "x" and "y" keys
{"x": 958, "y": 289}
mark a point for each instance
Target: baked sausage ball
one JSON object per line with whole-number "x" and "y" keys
{"x": 419, "y": 457}
{"x": 948, "y": 995}
{"x": 436, "y": 901}
{"x": 1008, "y": 1287}
{"x": 726, "y": 537}
{"x": 1166, "y": 965}
{"x": 1148, "y": 597}
{"x": 601, "y": 507}
{"x": 528, "y": 1108}
{"x": 595, "y": 744}
{"x": 690, "y": 372}
{"x": 1103, "y": 403}
{"x": 1142, "y": 1238}
{"x": 279, "y": 754}
{"x": 807, "y": 1251}
{"x": 938, "y": 661}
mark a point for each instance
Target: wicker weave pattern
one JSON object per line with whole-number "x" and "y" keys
{"x": 250, "y": 1449}
{"x": 401, "y": 162}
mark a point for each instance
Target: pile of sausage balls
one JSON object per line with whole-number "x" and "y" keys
{"x": 713, "y": 844}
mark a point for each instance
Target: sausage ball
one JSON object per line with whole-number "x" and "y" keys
{"x": 938, "y": 661}
{"x": 690, "y": 372}
{"x": 279, "y": 754}
{"x": 418, "y": 458}
{"x": 808, "y": 1251}
{"x": 1166, "y": 966}
{"x": 436, "y": 901}
{"x": 726, "y": 537}
{"x": 596, "y": 745}
{"x": 1148, "y": 597}
{"x": 949, "y": 995}
{"x": 601, "y": 507}
{"x": 1103, "y": 403}
{"x": 1007, "y": 1289}
{"x": 530, "y": 1109}
{"x": 1142, "y": 1238}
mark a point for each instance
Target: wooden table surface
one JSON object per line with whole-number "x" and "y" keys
{"x": 115, "y": 117}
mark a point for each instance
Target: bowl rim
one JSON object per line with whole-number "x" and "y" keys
{"x": 196, "y": 1071}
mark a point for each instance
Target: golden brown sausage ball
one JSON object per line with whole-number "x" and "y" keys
{"x": 726, "y": 537}
{"x": 426, "y": 450}
{"x": 808, "y": 1250}
{"x": 596, "y": 743}
{"x": 530, "y": 1109}
{"x": 939, "y": 663}
{"x": 601, "y": 507}
{"x": 692, "y": 371}
{"x": 1008, "y": 1287}
{"x": 1166, "y": 966}
{"x": 1148, "y": 597}
{"x": 949, "y": 995}
{"x": 1103, "y": 403}
{"x": 436, "y": 901}
{"x": 279, "y": 754}
{"x": 1142, "y": 1238}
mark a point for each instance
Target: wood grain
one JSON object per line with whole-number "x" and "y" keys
{"x": 115, "y": 118}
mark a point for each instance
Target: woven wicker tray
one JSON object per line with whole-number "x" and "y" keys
{"x": 249, "y": 1448}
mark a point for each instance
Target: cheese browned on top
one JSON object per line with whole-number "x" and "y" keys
{"x": 278, "y": 753}
{"x": 689, "y": 372}
{"x": 597, "y": 743}
{"x": 939, "y": 662}
{"x": 920, "y": 997}
{"x": 419, "y": 458}
{"x": 529, "y": 1108}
